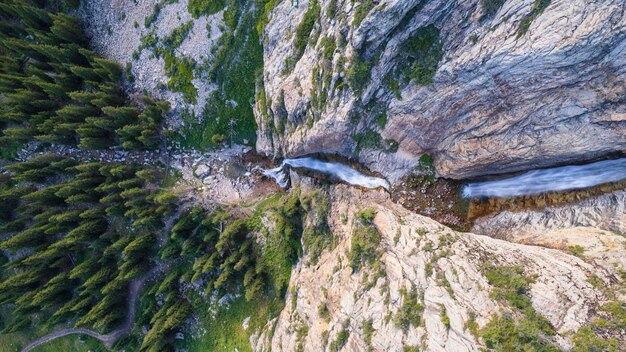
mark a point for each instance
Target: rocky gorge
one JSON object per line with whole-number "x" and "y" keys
{"x": 317, "y": 157}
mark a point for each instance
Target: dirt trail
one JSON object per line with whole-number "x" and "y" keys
{"x": 110, "y": 338}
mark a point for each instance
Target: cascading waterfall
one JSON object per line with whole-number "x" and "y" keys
{"x": 339, "y": 170}
{"x": 563, "y": 178}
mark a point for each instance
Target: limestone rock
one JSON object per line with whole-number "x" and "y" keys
{"x": 445, "y": 268}
{"x": 501, "y": 100}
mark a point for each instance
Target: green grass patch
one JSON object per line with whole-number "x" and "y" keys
{"x": 410, "y": 313}
{"x": 180, "y": 71}
{"x": 13, "y": 342}
{"x": 538, "y": 7}
{"x": 365, "y": 240}
{"x": 198, "y": 8}
{"x": 426, "y": 166}
{"x": 370, "y": 139}
{"x": 599, "y": 335}
{"x": 341, "y": 340}
{"x": 177, "y": 37}
{"x": 576, "y": 250}
{"x": 72, "y": 343}
{"x": 316, "y": 235}
{"x": 228, "y": 111}
{"x": 359, "y": 73}
{"x": 523, "y": 330}
{"x": 331, "y": 9}
{"x": 151, "y": 18}
{"x": 264, "y": 18}
{"x": 420, "y": 56}
{"x": 224, "y": 330}
{"x": 303, "y": 30}
{"x": 361, "y": 11}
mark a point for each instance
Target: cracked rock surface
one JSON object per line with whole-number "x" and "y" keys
{"x": 500, "y": 101}
{"x": 455, "y": 284}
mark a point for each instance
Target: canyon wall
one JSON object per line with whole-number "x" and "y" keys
{"x": 514, "y": 88}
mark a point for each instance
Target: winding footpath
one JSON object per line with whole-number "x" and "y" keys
{"x": 110, "y": 338}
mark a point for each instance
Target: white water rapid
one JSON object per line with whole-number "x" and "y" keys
{"x": 555, "y": 179}
{"x": 339, "y": 170}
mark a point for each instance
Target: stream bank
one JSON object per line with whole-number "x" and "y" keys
{"x": 451, "y": 202}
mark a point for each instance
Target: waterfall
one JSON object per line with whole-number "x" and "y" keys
{"x": 562, "y": 178}
{"x": 339, "y": 170}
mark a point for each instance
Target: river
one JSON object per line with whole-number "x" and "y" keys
{"x": 563, "y": 178}
{"x": 335, "y": 169}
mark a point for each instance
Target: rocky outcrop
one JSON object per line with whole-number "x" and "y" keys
{"x": 502, "y": 99}
{"x": 597, "y": 226}
{"x": 445, "y": 267}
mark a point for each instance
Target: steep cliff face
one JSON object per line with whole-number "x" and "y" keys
{"x": 483, "y": 89}
{"x": 596, "y": 226}
{"x": 429, "y": 287}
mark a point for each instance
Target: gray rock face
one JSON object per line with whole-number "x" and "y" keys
{"x": 500, "y": 101}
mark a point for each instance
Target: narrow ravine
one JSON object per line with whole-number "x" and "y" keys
{"x": 563, "y": 178}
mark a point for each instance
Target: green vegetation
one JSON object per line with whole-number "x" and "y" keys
{"x": 331, "y": 9}
{"x": 368, "y": 330}
{"x": 79, "y": 233}
{"x": 490, "y": 7}
{"x": 445, "y": 319}
{"x": 237, "y": 65}
{"x": 426, "y": 166}
{"x": 370, "y": 139}
{"x": 77, "y": 343}
{"x": 361, "y": 11}
{"x": 12, "y": 342}
{"x": 472, "y": 325}
{"x": 410, "y": 313}
{"x": 216, "y": 251}
{"x": 420, "y": 56}
{"x": 610, "y": 321}
{"x": 524, "y": 329}
{"x": 381, "y": 119}
{"x": 224, "y": 330}
{"x": 176, "y": 38}
{"x": 538, "y": 7}
{"x": 66, "y": 94}
{"x": 365, "y": 240}
{"x": 263, "y": 19}
{"x": 321, "y": 79}
{"x": 577, "y": 250}
{"x": 359, "y": 74}
{"x": 509, "y": 284}
{"x": 180, "y": 71}
{"x": 316, "y": 235}
{"x": 342, "y": 338}
{"x": 73, "y": 219}
{"x": 303, "y": 31}
{"x": 198, "y": 8}
{"x": 156, "y": 11}
{"x": 323, "y": 312}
